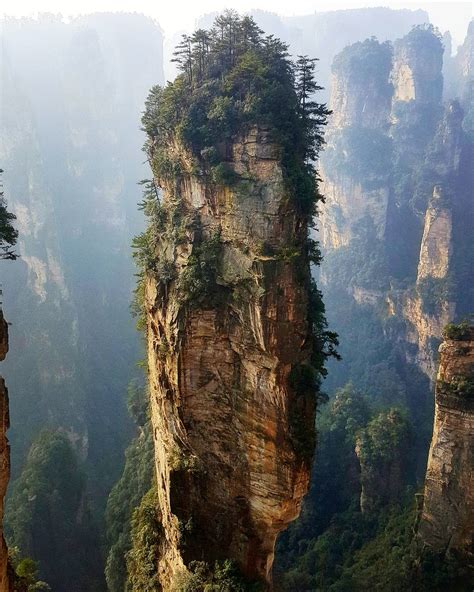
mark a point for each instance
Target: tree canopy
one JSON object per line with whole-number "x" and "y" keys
{"x": 8, "y": 234}
{"x": 233, "y": 77}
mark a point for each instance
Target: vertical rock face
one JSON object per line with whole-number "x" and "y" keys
{"x": 360, "y": 100}
{"x": 227, "y": 419}
{"x": 4, "y": 456}
{"x": 361, "y": 91}
{"x": 448, "y": 510}
{"x": 434, "y": 266}
{"x": 398, "y": 191}
{"x": 416, "y": 73}
{"x": 436, "y": 243}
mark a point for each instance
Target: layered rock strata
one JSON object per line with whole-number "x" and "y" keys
{"x": 227, "y": 417}
{"x": 447, "y": 519}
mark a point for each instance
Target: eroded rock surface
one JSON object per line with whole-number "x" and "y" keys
{"x": 447, "y": 520}
{"x": 227, "y": 421}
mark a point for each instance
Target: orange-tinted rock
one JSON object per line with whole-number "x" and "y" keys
{"x": 447, "y": 520}
{"x": 229, "y": 470}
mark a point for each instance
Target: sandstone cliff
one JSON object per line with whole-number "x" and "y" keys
{"x": 416, "y": 73}
{"x": 448, "y": 509}
{"x": 4, "y": 456}
{"x": 360, "y": 100}
{"x": 430, "y": 307}
{"x": 227, "y": 417}
{"x": 397, "y": 185}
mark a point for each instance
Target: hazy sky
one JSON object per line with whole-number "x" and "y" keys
{"x": 174, "y": 15}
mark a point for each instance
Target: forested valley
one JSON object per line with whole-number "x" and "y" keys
{"x": 239, "y": 343}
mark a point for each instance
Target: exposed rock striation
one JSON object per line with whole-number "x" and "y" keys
{"x": 4, "y": 456}
{"x": 227, "y": 417}
{"x": 361, "y": 101}
{"x": 398, "y": 191}
{"x": 447, "y": 520}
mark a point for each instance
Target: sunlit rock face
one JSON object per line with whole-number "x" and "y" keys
{"x": 4, "y": 457}
{"x": 416, "y": 73}
{"x": 361, "y": 101}
{"x": 398, "y": 190}
{"x": 448, "y": 510}
{"x": 225, "y": 415}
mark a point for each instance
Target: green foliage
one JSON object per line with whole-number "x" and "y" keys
{"x": 333, "y": 561}
{"x": 128, "y": 492}
{"x": 146, "y": 534}
{"x": 349, "y": 412}
{"x": 365, "y": 61}
{"x": 223, "y": 577}
{"x": 458, "y": 332}
{"x": 137, "y": 403}
{"x": 197, "y": 282}
{"x": 438, "y": 572}
{"x": 25, "y": 573}
{"x": 384, "y": 438}
{"x": 48, "y": 517}
{"x": 316, "y": 550}
{"x": 434, "y": 293}
{"x": 8, "y": 234}
{"x": 425, "y": 38}
{"x": 324, "y": 342}
{"x": 234, "y": 78}
{"x": 460, "y": 386}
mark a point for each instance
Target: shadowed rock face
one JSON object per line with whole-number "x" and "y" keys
{"x": 448, "y": 510}
{"x": 4, "y": 455}
{"x": 225, "y": 415}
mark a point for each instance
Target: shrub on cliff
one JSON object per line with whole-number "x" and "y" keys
{"x": 146, "y": 534}
{"x": 8, "y": 234}
{"x": 224, "y": 577}
{"x": 233, "y": 78}
{"x": 457, "y": 332}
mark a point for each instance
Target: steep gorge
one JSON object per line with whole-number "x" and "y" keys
{"x": 397, "y": 184}
{"x": 395, "y": 235}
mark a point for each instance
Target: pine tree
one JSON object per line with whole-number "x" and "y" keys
{"x": 225, "y": 32}
{"x": 183, "y": 57}
{"x": 8, "y": 234}
{"x": 314, "y": 115}
{"x": 249, "y": 33}
{"x": 201, "y": 42}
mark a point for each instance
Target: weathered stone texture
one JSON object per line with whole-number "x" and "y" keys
{"x": 447, "y": 520}
{"x": 228, "y": 471}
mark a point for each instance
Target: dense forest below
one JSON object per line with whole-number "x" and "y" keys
{"x": 362, "y": 134}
